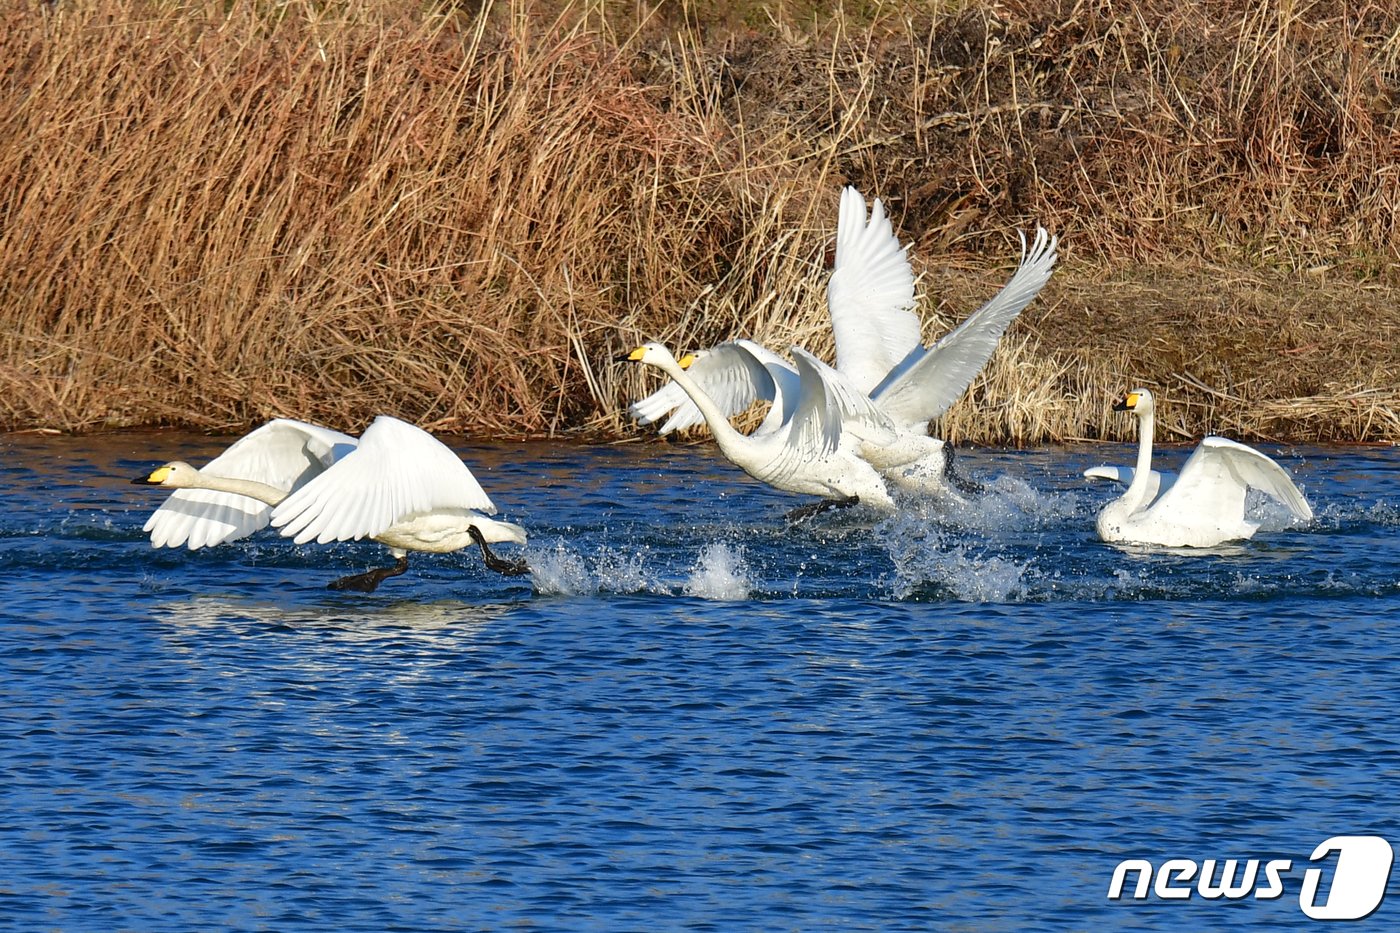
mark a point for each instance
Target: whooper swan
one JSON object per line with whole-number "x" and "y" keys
{"x": 870, "y": 298}
{"x": 397, "y": 484}
{"x": 1204, "y": 505}
{"x": 803, "y": 452}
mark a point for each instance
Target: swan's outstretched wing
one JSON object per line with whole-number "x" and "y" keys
{"x": 1159, "y": 481}
{"x": 1214, "y": 479}
{"x": 826, "y": 403}
{"x": 925, "y": 383}
{"x": 668, "y": 398}
{"x": 283, "y": 454}
{"x": 870, "y": 295}
{"x": 1115, "y": 474}
{"x": 734, "y": 374}
{"x": 397, "y": 471}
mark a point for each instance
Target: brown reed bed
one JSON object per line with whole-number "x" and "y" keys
{"x": 212, "y": 217}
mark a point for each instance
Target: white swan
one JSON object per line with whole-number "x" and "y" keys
{"x": 734, "y": 375}
{"x": 397, "y": 484}
{"x": 870, "y": 297}
{"x": 801, "y": 450}
{"x": 1204, "y": 505}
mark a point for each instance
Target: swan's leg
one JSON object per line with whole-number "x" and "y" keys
{"x": 369, "y": 580}
{"x": 962, "y": 484}
{"x": 510, "y": 568}
{"x": 813, "y": 509}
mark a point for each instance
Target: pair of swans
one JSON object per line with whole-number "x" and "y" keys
{"x": 1204, "y": 505}
{"x": 801, "y": 449}
{"x": 396, "y": 484}
{"x": 872, "y": 411}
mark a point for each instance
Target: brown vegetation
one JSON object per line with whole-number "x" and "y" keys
{"x": 210, "y": 217}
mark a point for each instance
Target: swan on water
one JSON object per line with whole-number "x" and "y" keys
{"x": 870, "y": 299}
{"x": 396, "y": 484}
{"x": 801, "y": 449}
{"x": 1202, "y": 506}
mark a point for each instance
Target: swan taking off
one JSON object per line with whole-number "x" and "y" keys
{"x": 1201, "y": 507}
{"x": 397, "y": 484}
{"x": 801, "y": 450}
{"x": 871, "y": 302}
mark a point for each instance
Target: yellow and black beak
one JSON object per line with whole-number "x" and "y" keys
{"x": 1127, "y": 402}
{"x": 634, "y": 357}
{"x": 152, "y": 479}
{"x": 685, "y": 361}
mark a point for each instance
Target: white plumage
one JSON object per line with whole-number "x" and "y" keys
{"x": 1202, "y": 506}
{"x": 804, "y": 451}
{"x": 870, "y": 294}
{"x": 870, "y": 299}
{"x": 396, "y": 484}
{"x": 280, "y": 456}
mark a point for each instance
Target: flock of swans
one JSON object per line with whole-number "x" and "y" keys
{"x": 848, "y": 434}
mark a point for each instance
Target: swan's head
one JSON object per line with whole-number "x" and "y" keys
{"x": 1138, "y": 401}
{"x": 655, "y": 354}
{"x": 174, "y": 475}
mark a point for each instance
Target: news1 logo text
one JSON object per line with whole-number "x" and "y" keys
{"x": 1358, "y": 879}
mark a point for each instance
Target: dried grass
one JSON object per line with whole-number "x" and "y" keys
{"x": 210, "y": 217}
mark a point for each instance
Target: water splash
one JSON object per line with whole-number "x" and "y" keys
{"x": 720, "y": 573}
{"x": 563, "y": 570}
{"x": 926, "y": 555}
{"x": 1007, "y": 504}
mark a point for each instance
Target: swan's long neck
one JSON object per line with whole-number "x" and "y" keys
{"x": 243, "y": 487}
{"x": 726, "y": 436}
{"x": 1142, "y": 473}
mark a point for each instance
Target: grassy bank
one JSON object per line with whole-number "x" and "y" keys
{"x": 209, "y": 218}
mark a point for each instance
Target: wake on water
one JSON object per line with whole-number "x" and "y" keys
{"x": 1020, "y": 541}
{"x": 718, "y": 572}
{"x": 1014, "y": 543}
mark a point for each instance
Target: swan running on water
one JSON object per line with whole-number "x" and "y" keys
{"x": 803, "y": 450}
{"x": 870, "y": 299}
{"x": 397, "y": 484}
{"x": 1204, "y": 505}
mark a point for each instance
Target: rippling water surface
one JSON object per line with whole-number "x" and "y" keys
{"x": 691, "y": 716}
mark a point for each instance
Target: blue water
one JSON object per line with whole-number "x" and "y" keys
{"x": 691, "y": 716}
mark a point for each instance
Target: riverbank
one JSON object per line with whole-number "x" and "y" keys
{"x": 215, "y": 218}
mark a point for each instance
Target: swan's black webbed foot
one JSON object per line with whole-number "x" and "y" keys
{"x": 968, "y": 487}
{"x": 509, "y": 568}
{"x": 369, "y": 581}
{"x": 813, "y": 509}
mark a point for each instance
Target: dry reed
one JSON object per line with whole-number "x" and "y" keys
{"x": 213, "y": 216}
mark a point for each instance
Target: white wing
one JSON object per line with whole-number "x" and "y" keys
{"x": 1214, "y": 479}
{"x": 851, "y": 406}
{"x": 283, "y": 454}
{"x": 870, "y": 295}
{"x": 1122, "y": 475}
{"x": 397, "y": 471}
{"x": 734, "y": 374}
{"x": 814, "y": 430}
{"x": 1158, "y": 481}
{"x": 787, "y": 385}
{"x": 826, "y": 401}
{"x": 660, "y": 403}
{"x": 927, "y": 382}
